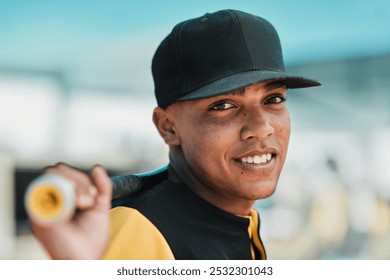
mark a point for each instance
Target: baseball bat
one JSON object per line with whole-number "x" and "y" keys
{"x": 51, "y": 198}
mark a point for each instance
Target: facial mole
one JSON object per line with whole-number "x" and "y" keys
{"x": 242, "y": 172}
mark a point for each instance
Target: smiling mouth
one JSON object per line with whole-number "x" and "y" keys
{"x": 257, "y": 159}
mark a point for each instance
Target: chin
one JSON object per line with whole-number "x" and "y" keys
{"x": 261, "y": 191}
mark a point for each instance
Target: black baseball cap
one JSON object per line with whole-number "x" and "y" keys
{"x": 218, "y": 53}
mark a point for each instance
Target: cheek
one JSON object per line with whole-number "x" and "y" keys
{"x": 207, "y": 142}
{"x": 210, "y": 134}
{"x": 283, "y": 130}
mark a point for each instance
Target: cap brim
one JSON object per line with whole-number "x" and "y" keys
{"x": 240, "y": 80}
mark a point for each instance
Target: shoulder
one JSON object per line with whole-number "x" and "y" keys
{"x": 133, "y": 236}
{"x": 135, "y": 231}
{"x": 158, "y": 200}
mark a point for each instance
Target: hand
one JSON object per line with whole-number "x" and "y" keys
{"x": 85, "y": 234}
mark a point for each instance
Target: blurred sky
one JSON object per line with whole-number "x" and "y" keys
{"x": 108, "y": 43}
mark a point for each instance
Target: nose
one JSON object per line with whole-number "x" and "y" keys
{"x": 256, "y": 124}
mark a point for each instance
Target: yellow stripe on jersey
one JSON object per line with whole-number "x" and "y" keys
{"x": 134, "y": 237}
{"x": 253, "y": 230}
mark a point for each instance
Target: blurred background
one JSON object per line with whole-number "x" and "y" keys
{"x": 76, "y": 87}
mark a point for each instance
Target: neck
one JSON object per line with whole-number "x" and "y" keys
{"x": 181, "y": 171}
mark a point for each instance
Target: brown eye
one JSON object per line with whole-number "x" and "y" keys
{"x": 221, "y": 106}
{"x": 275, "y": 100}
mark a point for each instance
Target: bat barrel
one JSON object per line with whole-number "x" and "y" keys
{"x": 51, "y": 198}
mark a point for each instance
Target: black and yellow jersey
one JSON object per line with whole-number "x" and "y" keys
{"x": 169, "y": 221}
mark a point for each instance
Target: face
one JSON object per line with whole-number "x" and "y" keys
{"x": 234, "y": 145}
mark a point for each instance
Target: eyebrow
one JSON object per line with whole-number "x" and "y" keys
{"x": 238, "y": 92}
{"x": 274, "y": 85}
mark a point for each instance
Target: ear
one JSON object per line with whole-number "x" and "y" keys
{"x": 164, "y": 122}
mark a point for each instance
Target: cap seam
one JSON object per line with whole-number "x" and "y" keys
{"x": 237, "y": 18}
{"x": 215, "y": 78}
{"x": 185, "y": 83}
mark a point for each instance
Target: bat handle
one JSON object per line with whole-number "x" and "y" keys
{"x": 50, "y": 198}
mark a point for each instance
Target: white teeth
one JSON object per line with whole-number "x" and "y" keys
{"x": 257, "y": 159}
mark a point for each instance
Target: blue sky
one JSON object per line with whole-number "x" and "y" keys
{"x": 72, "y": 34}
{"x": 326, "y": 26}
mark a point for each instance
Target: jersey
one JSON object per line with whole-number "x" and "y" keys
{"x": 169, "y": 221}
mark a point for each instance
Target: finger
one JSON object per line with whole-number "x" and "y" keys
{"x": 70, "y": 172}
{"x": 83, "y": 186}
{"x": 103, "y": 184}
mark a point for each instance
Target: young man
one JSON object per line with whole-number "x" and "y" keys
{"x": 220, "y": 85}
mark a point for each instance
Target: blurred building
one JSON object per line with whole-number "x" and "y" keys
{"x": 333, "y": 198}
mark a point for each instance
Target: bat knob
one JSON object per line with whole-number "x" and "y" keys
{"x": 50, "y": 198}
